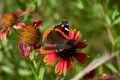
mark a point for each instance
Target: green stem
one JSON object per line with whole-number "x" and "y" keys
{"x": 107, "y": 26}
{"x": 100, "y": 70}
{"x": 34, "y": 71}
{"x": 110, "y": 35}
{"x": 15, "y": 30}
{"x": 35, "y": 65}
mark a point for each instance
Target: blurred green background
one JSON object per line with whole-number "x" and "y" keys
{"x": 93, "y": 18}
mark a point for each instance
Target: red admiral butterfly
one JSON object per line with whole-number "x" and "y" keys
{"x": 58, "y": 37}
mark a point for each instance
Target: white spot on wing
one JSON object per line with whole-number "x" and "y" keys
{"x": 66, "y": 29}
{"x": 62, "y": 25}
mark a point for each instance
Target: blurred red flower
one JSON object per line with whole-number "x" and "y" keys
{"x": 29, "y": 38}
{"x": 8, "y": 20}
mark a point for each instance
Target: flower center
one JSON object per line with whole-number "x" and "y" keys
{"x": 29, "y": 35}
{"x": 7, "y": 20}
{"x": 66, "y": 53}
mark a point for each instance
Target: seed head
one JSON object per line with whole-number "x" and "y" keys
{"x": 29, "y": 35}
{"x": 7, "y": 20}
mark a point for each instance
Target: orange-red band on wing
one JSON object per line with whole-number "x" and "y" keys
{"x": 56, "y": 29}
{"x": 46, "y": 34}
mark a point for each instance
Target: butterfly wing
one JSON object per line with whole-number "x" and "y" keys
{"x": 53, "y": 37}
{"x": 57, "y": 46}
{"x": 58, "y": 37}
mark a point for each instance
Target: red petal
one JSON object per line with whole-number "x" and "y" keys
{"x": 59, "y": 66}
{"x": 17, "y": 14}
{"x": 49, "y": 59}
{"x": 26, "y": 12}
{"x": 76, "y": 36}
{"x": 81, "y": 57}
{"x": 90, "y": 75}
{"x": 37, "y": 23}
{"x": 20, "y": 25}
{"x": 70, "y": 65}
{"x": 73, "y": 35}
{"x": 3, "y": 34}
{"x": 24, "y": 50}
{"x": 65, "y": 67}
{"x": 81, "y": 45}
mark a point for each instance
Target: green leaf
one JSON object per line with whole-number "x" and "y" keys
{"x": 24, "y": 72}
{"x": 115, "y": 13}
{"x": 39, "y": 2}
{"x": 20, "y": 4}
{"x": 7, "y": 69}
{"x": 34, "y": 71}
{"x": 116, "y": 47}
{"x": 117, "y": 21}
{"x": 31, "y": 6}
{"x": 108, "y": 20}
{"x": 41, "y": 73}
{"x": 1, "y": 56}
{"x": 111, "y": 67}
{"x": 114, "y": 32}
{"x": 80, "y": 5}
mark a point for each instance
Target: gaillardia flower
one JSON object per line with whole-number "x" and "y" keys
{"x": 29, "y": 37}
{"x": 65, "y": 53}
{"x": 8, "y": 20}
